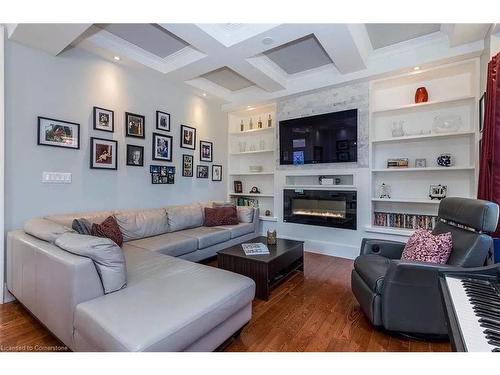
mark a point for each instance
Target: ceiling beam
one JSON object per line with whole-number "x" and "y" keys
{"x": 52, "y": 38}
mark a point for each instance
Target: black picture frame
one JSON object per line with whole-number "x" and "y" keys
{"x": 169, "y": 150}
{"x": 61, "y": 123}
{"x": 202, "y": 171}
{"x": 96, "y": 126}
{"x": 114, "y": 166}
{"x": 159, "y": 115}
{"x": 214, "y": 175}
{"x": 210, "y": 145}
{"x": 482, "y": 107}
{"x": 186, "y": 173}
{"x": 141, "y": 134}
{"x": 130, "y": 162}
{"x": 193, "y": 131}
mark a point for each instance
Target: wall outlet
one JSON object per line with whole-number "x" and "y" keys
{"x": 56, "y": 178}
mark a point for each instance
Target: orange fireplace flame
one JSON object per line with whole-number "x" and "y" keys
{"x": 321, "y": 213}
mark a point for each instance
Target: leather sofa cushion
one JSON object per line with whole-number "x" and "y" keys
{"x": 176, "y": 301}
{"x": 67, "y": 219}
{"x": 142, "y": 223}
{"x": 184, "y": 217}
{"x": 173, "y": 244}
{"x": 44, "y": 229}
{"x": 372, "y": 269}
{"x": 208, "y": 236}
{"x": 238, "y": 230}
{"x": 107, "y": 257}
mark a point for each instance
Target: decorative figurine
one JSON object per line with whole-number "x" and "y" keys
{"x": 269, "y": 121}
{"x": 271, "y": 237}
{"x": 421, "y": 95}
{"x": 242, "y": 126}
{"x": 385, "y": 191}
{"x": 268, "y": 213}
{"x": 444, "y": 160}
{"x": 438, "y": 191}
{"x": 260, "y": 123}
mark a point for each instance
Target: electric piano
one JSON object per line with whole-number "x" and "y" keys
{"x": 471, "y": 301}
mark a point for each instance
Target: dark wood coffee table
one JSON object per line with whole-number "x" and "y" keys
{"x": 266, "y": 270}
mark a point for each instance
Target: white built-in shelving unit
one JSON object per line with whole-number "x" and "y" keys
{"x": 253, "y": 147}
{"x": 453, "y": 90}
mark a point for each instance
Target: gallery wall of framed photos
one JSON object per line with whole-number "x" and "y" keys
{"x": 130, "y": 107}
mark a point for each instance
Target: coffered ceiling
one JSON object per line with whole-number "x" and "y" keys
{"x": 248, "y": 64}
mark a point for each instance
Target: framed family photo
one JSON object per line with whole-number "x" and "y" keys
{"x": 206, "y": 151}
{"x": 135, "y": 156}
{"x": 216, "y": 172}
{"x": 202, "y": 171}
{"x": 134, "y": 125}
{"x": 103, "y": 153}
{"x": 58, "y": 133}
{"x": 187, "y": 165}
{"x": 188, "y": 137}
{"x": 104, "y": 120}
{"x": 162, "y": 147}
{"x": 163, "y": 121}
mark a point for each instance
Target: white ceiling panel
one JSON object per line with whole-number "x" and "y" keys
{"x": 300, "y": 55}
{"x": 149, "y": 37}
{"x": 386, "y": 34}
{"x": 228, "y": 79}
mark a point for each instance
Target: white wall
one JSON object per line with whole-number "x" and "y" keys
{"x": 2, "y": 163}
{"x": 67, "y": 87}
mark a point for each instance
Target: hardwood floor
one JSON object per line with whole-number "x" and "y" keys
{"x": 313, "y": 311}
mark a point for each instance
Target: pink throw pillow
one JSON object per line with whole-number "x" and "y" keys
{"x": 427, "y": 247}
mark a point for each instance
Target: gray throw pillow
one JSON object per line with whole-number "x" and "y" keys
{"x": 44, "y": 229}
{"x": 245, "y": 214}
{"x": 82, "y": 226}
{"x": 107, "y": 256}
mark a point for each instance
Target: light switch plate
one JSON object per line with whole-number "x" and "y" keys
{"x": 56, "y": 178}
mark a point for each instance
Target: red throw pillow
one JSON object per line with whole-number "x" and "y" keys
{"x": 220, "y": 216}
{"x": 427, "y": 247}
{"x": 108, "y": 228}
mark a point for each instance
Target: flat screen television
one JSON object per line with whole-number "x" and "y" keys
{"x": 327, "y": 138}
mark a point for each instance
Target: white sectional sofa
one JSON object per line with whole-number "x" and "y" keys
{"x": 169, "y": 303}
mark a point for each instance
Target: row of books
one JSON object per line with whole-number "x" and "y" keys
{"x": 242, "y": 201}
{"x": 406, "y": 221}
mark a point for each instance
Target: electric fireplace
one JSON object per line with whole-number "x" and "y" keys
{"x": 327, "y": 208}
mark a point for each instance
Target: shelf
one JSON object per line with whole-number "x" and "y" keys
{"x": 252, "y": 174}
{"x": 268, "y": 218}
{"x": 389, "y": 230}
{"x": 403, "y": 200}
{"x": 423, "y": 105}
{"x": 253, "y": 131}
{"x": 251, "y": 152}
{"x": 251, "y": 195}
{"x": 426, "y": 136}
{"x": 333, "y": 187}
{"x": 430, "y": 169}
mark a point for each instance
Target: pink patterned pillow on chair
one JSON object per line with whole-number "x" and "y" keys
{"x": 427, "y": 247}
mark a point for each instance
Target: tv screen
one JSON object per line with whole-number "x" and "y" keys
{"x": 327, "y": 138}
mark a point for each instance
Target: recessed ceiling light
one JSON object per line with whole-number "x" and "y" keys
{"x": 204, "y": 94}
{"x": 117, "y": 58}
{"x": 267, "y": 40}
{"x": 248, "y": 106}
{"x": 416, "y": 68}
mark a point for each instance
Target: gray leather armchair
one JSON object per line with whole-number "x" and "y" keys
{"x": 403, "y": 296}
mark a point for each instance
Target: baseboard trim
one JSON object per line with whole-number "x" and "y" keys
{"x": 7, "y": 297}
{"x": 327, "y": 248}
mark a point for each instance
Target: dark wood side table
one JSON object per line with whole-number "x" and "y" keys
{"x": 266, "y": 270}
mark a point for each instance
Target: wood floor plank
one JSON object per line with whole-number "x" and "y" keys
{"x": 310, "y": 311}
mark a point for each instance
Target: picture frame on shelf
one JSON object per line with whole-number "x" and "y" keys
{"x": 103, "y": 153}
{"x": 135, "y": 156}
{"x": 216, "y": 172}
{"x": 206, "y": 151}
{"x": 58, "y": 133}
{"x": 420, "y": 163}
{"x": 188, "y": 137}
{"x": 238, "y": 187}
{"x": 202, "y": 171}
{"x": 135, "y": 125}
{"x": 187, "y": 165}
{"x": 104, "y": 119}
{"x": 162, "y": 147}
{"x": 163, "y": 121}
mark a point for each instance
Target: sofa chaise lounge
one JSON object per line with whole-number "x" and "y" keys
{"x": 169, "y": 303}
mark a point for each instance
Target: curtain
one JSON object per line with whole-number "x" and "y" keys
{"x": 489, "y": 158}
